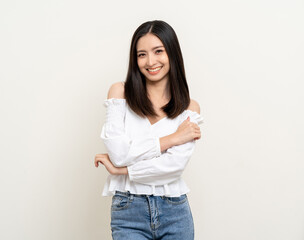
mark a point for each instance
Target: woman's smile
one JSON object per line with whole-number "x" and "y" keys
{"x": 154, "y": 71}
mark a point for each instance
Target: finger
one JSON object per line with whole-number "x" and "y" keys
{"x": 102, "y": 158}
{"x": 95, "y": 162}
{"x": 186, "y": 120}
{"x": 101, "y": 155}
{"x": 198, "y": 136}
{"x": 101, "y": 162}
{"x": 194, "y": 124}
{"x": 196, "y": 127}
{"x": 197, "y": 132}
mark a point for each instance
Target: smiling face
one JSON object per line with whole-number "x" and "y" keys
{"x": 152, "y": 58}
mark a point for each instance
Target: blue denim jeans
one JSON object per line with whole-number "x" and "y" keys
{"x": 141, "y": 217}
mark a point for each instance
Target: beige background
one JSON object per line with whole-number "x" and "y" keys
{"x": 244, "y": 64}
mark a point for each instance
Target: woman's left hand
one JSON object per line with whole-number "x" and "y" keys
{"x": 105, "y": 160}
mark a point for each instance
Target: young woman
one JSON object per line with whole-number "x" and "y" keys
{"x": 150, "y": 131}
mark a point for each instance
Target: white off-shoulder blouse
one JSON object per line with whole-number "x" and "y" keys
{"x": 132, "y": 141}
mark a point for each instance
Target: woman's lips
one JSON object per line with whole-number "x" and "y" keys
{"x": 154, "y": 71}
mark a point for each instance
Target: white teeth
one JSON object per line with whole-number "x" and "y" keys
{"x": 154, "y": 70}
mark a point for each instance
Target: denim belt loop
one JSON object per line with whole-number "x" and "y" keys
{"x": 131, "y": 196}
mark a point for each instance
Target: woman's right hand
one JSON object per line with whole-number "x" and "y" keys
{"x": 186, "y": 132}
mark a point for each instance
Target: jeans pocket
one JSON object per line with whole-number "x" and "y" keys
{"x": 120, "y": 202}
{"x": 177, "y": 200}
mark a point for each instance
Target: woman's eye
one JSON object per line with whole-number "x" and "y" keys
{"x": 141, "y": 55}
{"x": 159, "y": 51}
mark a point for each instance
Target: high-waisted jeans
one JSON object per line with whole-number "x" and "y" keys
{"x": 148, "y": 217}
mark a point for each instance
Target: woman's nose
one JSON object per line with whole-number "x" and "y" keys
{"x": 150, "y": 60}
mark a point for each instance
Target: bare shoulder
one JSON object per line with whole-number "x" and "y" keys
{"x": 194, "y": 106}
{"x": 117, "y": 90}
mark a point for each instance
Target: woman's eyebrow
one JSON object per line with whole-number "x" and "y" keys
{"x": 152, "y": 49}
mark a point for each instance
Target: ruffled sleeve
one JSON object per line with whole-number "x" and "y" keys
{"x": 170, "y": 165}
{"x": 115, "y": 115}
{"x": 194, "y": 117}
{"x": 122, "y": 150}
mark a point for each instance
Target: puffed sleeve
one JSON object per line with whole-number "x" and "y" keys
{"x": 170, "y": 165}
{"x": 122, "y": 150}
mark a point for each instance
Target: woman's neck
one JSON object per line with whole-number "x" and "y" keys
{"x": 158, "y": 92}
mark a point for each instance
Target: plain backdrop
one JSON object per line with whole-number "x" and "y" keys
{"x": 244, "y": 64}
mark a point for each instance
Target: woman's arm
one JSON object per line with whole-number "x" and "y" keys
{"x": 105, "y": 159}
{"x": 124, "y": 151}
{"x": 157, "y": 171}
{"x": 169, "y": 166}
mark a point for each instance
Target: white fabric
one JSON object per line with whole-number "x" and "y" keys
{"x": 133, "y": 142}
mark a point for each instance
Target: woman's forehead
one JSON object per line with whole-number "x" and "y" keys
{"x": 148, "y": 42}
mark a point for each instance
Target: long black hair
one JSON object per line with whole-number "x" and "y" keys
{"x": 135, "y": 85}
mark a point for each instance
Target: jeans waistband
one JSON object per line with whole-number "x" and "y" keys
{"x": 127, "y": 194}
